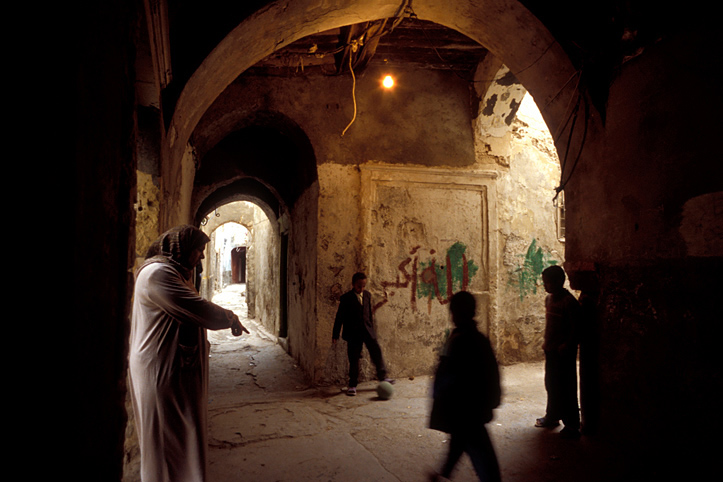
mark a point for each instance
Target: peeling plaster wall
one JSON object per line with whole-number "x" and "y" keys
{"x": 498, "y": 108}
{"x": 528, "y": 235}
{"x": 512, "y": 138}
{"x": 339, "y": 257}
{"x": 412, "y": 123}
{"x": 373, "y": 227}
{"x": 420, "y": 234}
{"x": 427, "y": 234}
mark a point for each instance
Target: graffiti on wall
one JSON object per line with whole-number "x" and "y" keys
{"x": 432, "y": 278}
{"x": 527, "y": 277}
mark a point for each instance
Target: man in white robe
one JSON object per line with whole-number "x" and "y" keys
{"x": 169, "y": 358}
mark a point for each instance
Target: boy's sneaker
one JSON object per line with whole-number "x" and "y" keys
{"x": 390, "y": 380}
{"x": 351, "y": 391}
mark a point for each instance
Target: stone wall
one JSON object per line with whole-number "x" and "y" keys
{"x": 265, "y": 243}
{"x": 339, "y": 257}
{"x": 427, "y": 234}
{"x": 490, "y": 205}
{"x": 301, "y": 276}
{"x": 528, "y": 234}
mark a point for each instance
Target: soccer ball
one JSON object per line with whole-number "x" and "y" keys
{"x": 385, "y": 390}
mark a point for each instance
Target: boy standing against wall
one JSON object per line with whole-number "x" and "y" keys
{"x": 562, "y": 316}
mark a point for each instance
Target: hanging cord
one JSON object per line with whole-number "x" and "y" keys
{"x": 404, "y": 9}
{"x": 576, "y": 90}
{"x": 562, "y": 185}
{"x": 353, "y": 87}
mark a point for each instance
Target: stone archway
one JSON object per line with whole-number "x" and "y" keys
{"x": 505, "y": 27}
{"x": 257, "y": 212}
{"x": 267, "y": 160}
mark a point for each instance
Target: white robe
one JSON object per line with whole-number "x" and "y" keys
{"x": 169, "y": 382}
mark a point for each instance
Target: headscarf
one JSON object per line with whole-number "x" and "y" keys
{"x": 175, "y": 246}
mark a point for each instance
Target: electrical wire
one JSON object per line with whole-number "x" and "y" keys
{"x": 568, "y": 112}
{"x": 355, "y": 44}
{"x": 562, "y": 185}
{"x": 353, "y": 92}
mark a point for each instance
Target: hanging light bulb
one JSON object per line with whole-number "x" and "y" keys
{"x": 388, "y": 82}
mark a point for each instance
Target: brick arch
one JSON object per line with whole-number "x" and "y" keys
{"x": 505, "y": 27}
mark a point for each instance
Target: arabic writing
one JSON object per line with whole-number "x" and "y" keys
{"x": 432, "y": 278}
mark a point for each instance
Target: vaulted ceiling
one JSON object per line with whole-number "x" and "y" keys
{"x": 408, "y": 42}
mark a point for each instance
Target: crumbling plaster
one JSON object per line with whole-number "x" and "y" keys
{"x": 427, "y": 233}
{"x": 339, "y": 257}
{"x": 651, "y": 154}
{"x": 355, "y": 213}
{"x": 411, "y": 121}
{"x": 528, "y": 233}
{"x": 512, "y": 34}
{"x": 345, "y": 204}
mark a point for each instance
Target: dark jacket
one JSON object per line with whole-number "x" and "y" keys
{"x": 354, "y": 320}
{"x": 562, "y": 319}
{"x": 466, "y": 383}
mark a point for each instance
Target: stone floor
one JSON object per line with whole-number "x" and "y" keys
{"x": 267, "y": 423}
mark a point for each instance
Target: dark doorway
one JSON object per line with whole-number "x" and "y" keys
{"x": 238, "y": 264}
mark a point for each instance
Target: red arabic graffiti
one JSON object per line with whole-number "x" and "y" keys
{"x": 429, "y": 279}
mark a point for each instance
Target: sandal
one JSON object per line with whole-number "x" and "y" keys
{"x": 545, "y": 423}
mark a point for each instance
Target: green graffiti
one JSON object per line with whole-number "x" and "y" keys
{"x": 528, "y": 276}
{"x": 441, "y": 279}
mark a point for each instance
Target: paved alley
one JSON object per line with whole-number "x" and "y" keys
{"x": 268, "y": 424}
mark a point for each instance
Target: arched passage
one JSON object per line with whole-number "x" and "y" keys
{"x": 229, "y": 228}
{"x": 255, "y": 132}
{"x": 505, "y": 27}
{"x": 257, "y": 152}
{"x": 649, "y": 214}
{"x": 244, "y": 228}
{"x": 264, "y": 158}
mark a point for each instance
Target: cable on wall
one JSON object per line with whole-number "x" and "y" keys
{"x": 353, "y": 87}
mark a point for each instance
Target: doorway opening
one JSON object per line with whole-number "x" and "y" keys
{"x": 243, "y": 262}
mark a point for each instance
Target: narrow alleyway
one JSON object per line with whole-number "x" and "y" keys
{"x": 268, "y": 424}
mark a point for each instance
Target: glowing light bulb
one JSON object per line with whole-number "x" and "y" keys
{"x": 388, "y": 82}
